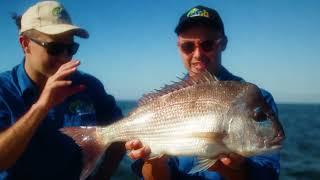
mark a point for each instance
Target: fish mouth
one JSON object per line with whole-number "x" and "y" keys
{"x": 278, "y": 138}
{"x": 279, "y": 135}
{"x": 276, "y": 141}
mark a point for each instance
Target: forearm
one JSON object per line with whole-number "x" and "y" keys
{"x": 14, "y": 140}
{"x": 156, "y": 169}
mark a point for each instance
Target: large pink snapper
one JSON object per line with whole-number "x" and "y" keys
{"x": 200, "y": 117}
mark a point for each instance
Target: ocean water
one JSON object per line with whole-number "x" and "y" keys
{"x": 300, "y": 156}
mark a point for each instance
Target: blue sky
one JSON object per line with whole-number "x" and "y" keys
{"x": 132, "y": 46}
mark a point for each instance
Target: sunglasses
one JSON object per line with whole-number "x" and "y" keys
{"x": 189, "y": 47}
{"x": 56, "y": 48}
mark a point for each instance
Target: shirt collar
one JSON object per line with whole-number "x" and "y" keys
{"x": 225, "y": 75}
{"x": 26, "y": 85}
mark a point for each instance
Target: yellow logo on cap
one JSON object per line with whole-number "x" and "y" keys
{"x": 197, "y": 12}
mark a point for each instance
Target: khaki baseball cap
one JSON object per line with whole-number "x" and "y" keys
{"x": 50, "y": 17}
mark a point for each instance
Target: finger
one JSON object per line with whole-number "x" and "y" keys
{"x": 143, "y": 153}
{"x": 62, "y": 69}
{"x": 68, "y": 65}
{"x": 226, "y": 161}
{"x": 128, "y": 145}
{"x": 140, "y": 153}
{"x": 133, "y": 144}
{"x": 63, "y": 74}
{"x": 60, "y": 84}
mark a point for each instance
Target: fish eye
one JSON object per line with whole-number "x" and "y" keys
{"x": 259, "y": 115}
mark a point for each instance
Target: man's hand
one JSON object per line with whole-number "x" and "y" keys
{"x": 58, "y": 87}
{"x": 152, "y": 169}
{"x": 137, "y": 150}
{"x": 231, "y": 166}
{"x": 233, "y": 161}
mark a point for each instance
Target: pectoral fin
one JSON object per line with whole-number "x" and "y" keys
{"x": 202, "y": 164}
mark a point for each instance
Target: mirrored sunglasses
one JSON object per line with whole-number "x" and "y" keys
{"x": 207, "y": 46}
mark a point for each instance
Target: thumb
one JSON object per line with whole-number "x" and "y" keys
{"x": 225, "y": 160}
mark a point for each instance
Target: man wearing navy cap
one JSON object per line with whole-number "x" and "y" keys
{"x": 201, "y": 41}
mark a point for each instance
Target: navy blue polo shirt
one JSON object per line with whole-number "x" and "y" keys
{"x": 51, "y": 154}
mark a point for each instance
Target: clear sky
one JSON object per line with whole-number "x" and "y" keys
{"x": 132, "y": 45}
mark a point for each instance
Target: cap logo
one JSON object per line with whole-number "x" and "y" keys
{"x": 57, "y": 11}
{"x": 194, "y": 12}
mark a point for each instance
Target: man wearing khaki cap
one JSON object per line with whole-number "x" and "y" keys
{"x": 45, "y": 93}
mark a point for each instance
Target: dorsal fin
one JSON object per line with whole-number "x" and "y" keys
{"x": 203, "y": 78}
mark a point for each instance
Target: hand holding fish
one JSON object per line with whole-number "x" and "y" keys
{"x": 153, "y": 169}
{"x": 231, "y": 166}
{"x": 137, "y": 150}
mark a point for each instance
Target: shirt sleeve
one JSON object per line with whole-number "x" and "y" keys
{"x": 264, "y": 167}
{"x": 270, "y": 101}
{"x": 108, "y": 110}
{"x": 105, "y": 104}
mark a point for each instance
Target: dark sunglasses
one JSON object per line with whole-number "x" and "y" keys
{"x": 189, "y": 47}
{"x": 56, "y": 48}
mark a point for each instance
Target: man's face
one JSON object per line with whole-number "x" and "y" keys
{"x": 45, "y": 55}
{"x": 200, "y": 49}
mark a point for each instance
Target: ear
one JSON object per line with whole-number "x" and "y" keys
{"x": 224, "y": 43}
{"x": 24, "y": 42}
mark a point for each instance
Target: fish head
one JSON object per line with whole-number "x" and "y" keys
{"x": 252, "y": 125}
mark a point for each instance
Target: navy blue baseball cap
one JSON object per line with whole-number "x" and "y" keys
{"x": 200, "y": 15}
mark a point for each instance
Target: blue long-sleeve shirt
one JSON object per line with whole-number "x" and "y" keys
{"x": 262, "y": 167}
{"x": 51, "y": 154}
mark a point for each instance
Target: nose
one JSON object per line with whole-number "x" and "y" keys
{"x": 64, "y": 56}
{"x": 198, "y": 52}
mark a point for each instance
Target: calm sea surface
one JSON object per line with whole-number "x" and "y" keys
{"x": 300, "y": 157}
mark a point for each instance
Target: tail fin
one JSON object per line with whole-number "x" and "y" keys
{"x": 90, "y": 141}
